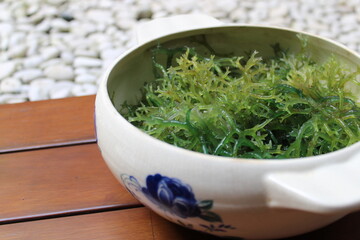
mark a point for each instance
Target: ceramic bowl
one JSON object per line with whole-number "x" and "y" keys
{"x": 244, "y": 198}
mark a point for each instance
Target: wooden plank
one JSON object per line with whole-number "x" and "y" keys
{"x": 127, "y": 224}
{"x": 56, "y": 181}
{"x": 141, "y": 223}
{"x": 165, "y": 230}
{"x": 137, "y": 223}
{"x": 46, "y": 123}
{"x": 346, "y": 228}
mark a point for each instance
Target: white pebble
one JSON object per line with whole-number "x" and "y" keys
{"x": 257, "y": 16}
{"x": 82, "y": 29}
{"x": 17, "y": 51}
{"x": 16, "y": 99}
{"x": 299, "y": 25}
{"x": 100, "y": 38}
{"x": 6, "y": 28}
{"x": 81, "y": 70}
{"x": 25, "y": 88}
{"x": 7, "y": 68}
{"x": 83, "y": 89}
{"x": 111, "y": 30}
{"x": 27, "y": 75}
{"x": 13, "y": 98}
{"x": 67, "y": 57}
{"x": 100, "y": 16}
{"x": 111, "y": 53}
{"x": 349, "y": 38}
{"x": 132, "y": 42}
{"x": 51, "y": 62}
{"x": 105, "y": 45}
{"x": 125, "y": 23}
{"x": 160, "y": 14}
{"x": 279, "y": 11}
{"x": 50, "y": 52}
{"x": 37, "y": 17}
{"x": 61, "y": 89}
{"x": 144, "y": 11}
{"x": 32, "y": 48}
{"x": 33, "y": 61}
{"x": 95, "y": 71}
{"x": 107, "y": 63}
{"x": 44, "y": 26}
{"x": 60, "y": 24}
{"x": 238, "y": 15}
{"x": 56, "y": 2}
{"x": 39, "y": 89}
{"x": 49, "y": 11}
{"x": 24, "y": 27}
{"x": 86, "y": 53}
{"x": 325, "y": 34}
{"x": 59, "y": 72}
{"x": 87, "y": 62}
{"x": 349, "y": 22}
{"x": 317, "y": 26}
{"x": 85, "y": 78}
{"x": 106, "y": 4}
{"x": 67, "y": 16}
{"x": 79, "y": 43}
{"x": 32, "y": 9}
{"x": 5, "y": 15}
{"x": 9, "y": 85}
{"x": 227, "y": 5}
{"x": 17, "y": 38}
{"x": 101, "y": 27}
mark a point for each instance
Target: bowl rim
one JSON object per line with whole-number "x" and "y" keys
{"x": 103, "y": 88}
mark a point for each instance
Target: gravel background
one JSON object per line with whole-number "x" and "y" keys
{"x": 55, "y": 49}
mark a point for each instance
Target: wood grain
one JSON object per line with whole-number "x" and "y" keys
{"x": 165, "y": 230}
{"x": 128, "y": 224}
{"x": 346, "y": 228}
{"x": 46, "y": 123}
{"x": 56, "y": 181}
{"x": 131, "y": 224}
{"x": 67, "y": 192}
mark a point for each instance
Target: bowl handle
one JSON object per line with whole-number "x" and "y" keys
{"x": 328, "y": 189}
{"x": 159, "y": 27}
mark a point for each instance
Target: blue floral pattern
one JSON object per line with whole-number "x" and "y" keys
{"x": 177, "y": 198}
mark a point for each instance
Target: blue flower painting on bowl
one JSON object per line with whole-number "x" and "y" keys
{"x": 174, "y": 197}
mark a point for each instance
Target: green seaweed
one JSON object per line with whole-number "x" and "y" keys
{"x": 287, "y": 106}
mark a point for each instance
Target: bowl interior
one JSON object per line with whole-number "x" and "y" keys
{"x": 128, "y": 75}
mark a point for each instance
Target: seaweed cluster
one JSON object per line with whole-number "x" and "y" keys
{"x": 286, "y": 106}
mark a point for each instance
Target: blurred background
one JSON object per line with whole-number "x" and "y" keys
{"x": 56, "y": 49}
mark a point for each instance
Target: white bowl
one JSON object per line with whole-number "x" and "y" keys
{"x": 255, "y": 199}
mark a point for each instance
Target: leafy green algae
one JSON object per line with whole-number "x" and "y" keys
{"x": 287, "y": 106}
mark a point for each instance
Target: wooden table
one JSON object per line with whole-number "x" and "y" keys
{"x": 55, "y": 185}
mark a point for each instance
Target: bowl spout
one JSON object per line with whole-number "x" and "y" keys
{"x": 330, "y": 189}
{"x": 163, "y": 26}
